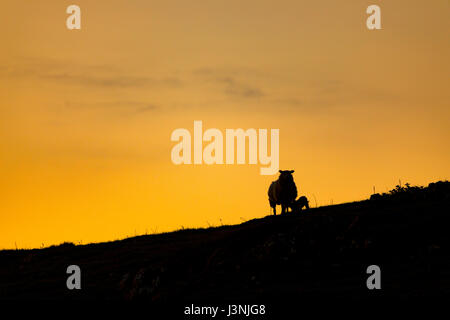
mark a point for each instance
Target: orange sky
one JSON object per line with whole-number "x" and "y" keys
{"x": 86, "y": 116}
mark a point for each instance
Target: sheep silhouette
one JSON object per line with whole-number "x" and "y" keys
{"x": 298, "y": 204}
{"x": 282, "y": 191}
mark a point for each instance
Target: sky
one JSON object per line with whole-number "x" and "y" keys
{"x": 86, "y": 115}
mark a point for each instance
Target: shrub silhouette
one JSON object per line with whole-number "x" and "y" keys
{"x": 435, "y": 190}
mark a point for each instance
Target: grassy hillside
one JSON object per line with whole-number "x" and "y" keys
{"x": 321, "y": 252}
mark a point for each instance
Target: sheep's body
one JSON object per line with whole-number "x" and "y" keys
{"x": 298, "y": 204}
{"x": 282, "y": 191}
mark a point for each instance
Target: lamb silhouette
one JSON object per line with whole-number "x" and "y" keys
{"x": 298, "y": 204}
{"x": 282, "y": 191}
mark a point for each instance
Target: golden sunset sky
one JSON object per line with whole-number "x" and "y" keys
{"x": 86, "y": 115}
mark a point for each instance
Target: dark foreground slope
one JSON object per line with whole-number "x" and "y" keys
{"x": 323, "y": 252}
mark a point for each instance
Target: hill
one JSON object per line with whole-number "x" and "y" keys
{"x": 319, "y": 253}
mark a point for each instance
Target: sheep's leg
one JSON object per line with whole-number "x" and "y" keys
{"x": 283, "y": 209}
{"x": 273, "y": 205}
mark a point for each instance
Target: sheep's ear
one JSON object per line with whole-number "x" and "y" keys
{"x": 281, "y": 171}
{"x": 292, "y": 171}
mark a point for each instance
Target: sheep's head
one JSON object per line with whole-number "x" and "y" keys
{"x": 286, "y": 176}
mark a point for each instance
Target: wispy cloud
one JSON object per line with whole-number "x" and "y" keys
{"x": 110, "y": 80}
{"x": 123, "y": 106}
{"x": 84, "y": 75}
{"x": 233, "y": 82}
{"x": 234, "y": 87}
{"x": 147, "y": 108}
